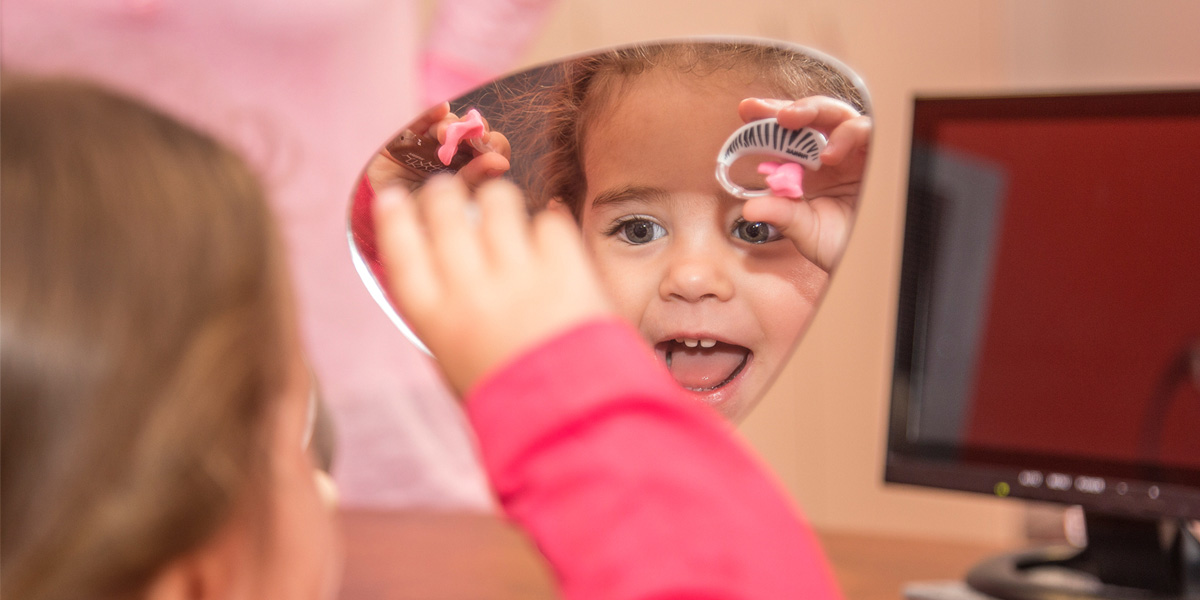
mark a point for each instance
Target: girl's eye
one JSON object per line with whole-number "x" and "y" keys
{"x": 755, "y": 232}
{"x": 639, "y": 231}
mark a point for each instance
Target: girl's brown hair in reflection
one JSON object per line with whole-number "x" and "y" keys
{"x": 589, "y": 84}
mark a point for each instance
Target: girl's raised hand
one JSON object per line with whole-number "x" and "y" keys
{"x": 819, "y": 223}
{"x": 412, "y": 156}
{"x": 477, "y": 279}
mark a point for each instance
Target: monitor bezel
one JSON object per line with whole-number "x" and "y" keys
{"x": 1127, "y": 490}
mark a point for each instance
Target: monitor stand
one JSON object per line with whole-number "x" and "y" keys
{"x": 1125, "y": 559}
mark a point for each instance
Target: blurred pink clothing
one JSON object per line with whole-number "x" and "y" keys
{"x": 306, "y": 90}
{"x": 631, "y": 489}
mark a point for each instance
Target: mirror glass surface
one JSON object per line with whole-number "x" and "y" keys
{"x": 628, "y": 139}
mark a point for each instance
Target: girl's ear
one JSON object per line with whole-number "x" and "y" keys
{"x": 214, "y": 571}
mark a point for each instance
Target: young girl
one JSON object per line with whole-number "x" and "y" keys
{"x": 721, "y": 287}
{"x": 155, "y": 405}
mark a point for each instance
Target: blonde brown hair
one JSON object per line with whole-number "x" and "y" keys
{"x": 587, "y": 85}
{"x": 142, "y": 340}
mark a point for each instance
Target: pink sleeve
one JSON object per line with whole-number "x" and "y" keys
{"x": 631, "y": 490}
{"x": 472, "y": 41}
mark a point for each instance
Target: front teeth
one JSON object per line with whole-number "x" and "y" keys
{"x": 692, "y": 343}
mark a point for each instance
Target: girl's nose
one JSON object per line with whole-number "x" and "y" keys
{"x": 696, "y": 276}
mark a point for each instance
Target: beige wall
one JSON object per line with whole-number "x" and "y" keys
{"x": 822, "y": 427}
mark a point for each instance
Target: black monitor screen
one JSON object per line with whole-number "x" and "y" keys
{"x": 1048, "y": 339}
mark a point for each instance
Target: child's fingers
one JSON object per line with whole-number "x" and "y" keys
{"x": 559, "y": 251}
{"x": 851, "y": 136}
{"x": 452, "y": 229}
{"x": 505, "y": 225}
{"x": 383, "y": 171}
{"x": 819, "y": 112}
{"x": 818, "y": 228}
{"x": 483, "y": 168}
{"x": 790, "y": 217}
{"x": 438, "y": 128}
{"x": 753, "y": 109}
{"x": 429, "y": 118}
{"x": 412, "y": 280}
{"x": 795, "y": 219}
{"x": 493, "y": 141}
{"x": 555, "y": 232}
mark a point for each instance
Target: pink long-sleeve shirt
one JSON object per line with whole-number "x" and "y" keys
{"x": 632, "y": 490}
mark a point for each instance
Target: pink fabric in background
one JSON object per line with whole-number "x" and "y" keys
{"x": 306, "y": 90}
{"x": 475, "y": 40}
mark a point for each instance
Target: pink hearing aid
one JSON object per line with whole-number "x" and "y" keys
{"x": 471, "y": 127}
{"x": 423, "y": 155}
{"x": 768, "y": 137}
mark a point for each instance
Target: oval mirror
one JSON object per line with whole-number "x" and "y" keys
{"x": 657, "y": 149}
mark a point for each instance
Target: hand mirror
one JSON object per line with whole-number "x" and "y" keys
{"x": 715, "y": 182}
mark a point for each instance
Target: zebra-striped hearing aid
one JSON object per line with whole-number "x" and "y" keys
{"x": 769, "y": 138}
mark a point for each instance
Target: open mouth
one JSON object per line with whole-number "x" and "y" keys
{"x": 702, "y": 365}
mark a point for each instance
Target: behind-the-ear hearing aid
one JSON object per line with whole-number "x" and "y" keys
{"x": 767, "y": 137}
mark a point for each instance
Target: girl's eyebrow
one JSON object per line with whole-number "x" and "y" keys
{"x": 630, "y": 193}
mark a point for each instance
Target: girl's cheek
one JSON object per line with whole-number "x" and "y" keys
{"x": 310, "y": 546}
{"x": 305, "y": 542}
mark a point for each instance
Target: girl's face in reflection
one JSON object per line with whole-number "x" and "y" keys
{"x": 721, "y": 300}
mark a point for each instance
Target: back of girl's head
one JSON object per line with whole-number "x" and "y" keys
{"x": 142, "y": 340}
{"x": 587, "y": 86}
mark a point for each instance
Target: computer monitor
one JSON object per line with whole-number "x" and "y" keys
{"x": 1048, "y": 332}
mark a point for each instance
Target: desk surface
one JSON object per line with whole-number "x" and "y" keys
{"x": 444, "y": 556}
